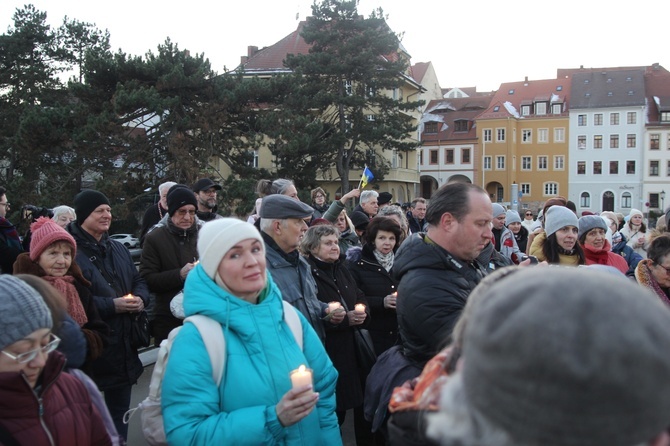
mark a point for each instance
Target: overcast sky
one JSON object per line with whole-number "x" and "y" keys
{"x": 481, "y": 43}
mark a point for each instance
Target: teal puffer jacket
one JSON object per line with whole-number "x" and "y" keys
{"x": 261, "y": 352}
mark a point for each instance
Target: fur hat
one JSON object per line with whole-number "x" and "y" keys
{"x": 178, "y": 196}
{"x": 22, "y": 310}
{"x": 562, "y": 374}
{"x": 44, "y": 233}
{"x": 512, "y": 217}
{"x": 497, "y": 209}
{"x": 86, "y": 202}
{"x": 558, "y": 217}
{"x": 588, "y": 222}
{"x": 215, "y": 239}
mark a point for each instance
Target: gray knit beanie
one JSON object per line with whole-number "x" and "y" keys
{"x": 497, "y": 209}
{"x": 512, "y": 217}
{"x": 558, "y": 217}
{"x": 22, "y": 310}
{"x": 579, "y": 364}
{"x": 588, "y": 222}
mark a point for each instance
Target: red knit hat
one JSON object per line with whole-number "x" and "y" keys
{"x": 44, "y": 233}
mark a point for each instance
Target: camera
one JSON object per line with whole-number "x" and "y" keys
{"x": 31, "y": 212}
{"x": 533, "y": 259}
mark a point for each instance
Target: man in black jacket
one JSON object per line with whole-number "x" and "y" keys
{"x": 438, "y": 269}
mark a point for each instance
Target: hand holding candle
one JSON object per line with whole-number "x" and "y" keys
{"x": 390, "y": 300}
{"x": 297, "y": 404}
{"x": 301, "y": 376}
{"x": 357, "y": 317}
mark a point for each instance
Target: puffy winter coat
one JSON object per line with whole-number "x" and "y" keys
{"x": 604, "y": 256}
{"x": 60, "y": 414}
{"x": 166, "y": 250}
{"x": 376, "y": 283}
{"x": 119, "y": 365}
{"x": 335, "y": 284}
{"x": 261, "y": 352}
{"x": 433, "y": 289}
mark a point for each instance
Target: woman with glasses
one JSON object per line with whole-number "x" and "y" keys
{"x": 39, "y": 403}
{"x": 654, "y": 271}
{"x": 168, "y": 255}
{"x": 319, "y": 203}
{"x": 528, "y": 221}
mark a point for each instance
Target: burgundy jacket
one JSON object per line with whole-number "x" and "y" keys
{"x": 68, "y": 415}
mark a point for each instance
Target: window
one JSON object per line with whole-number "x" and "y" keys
{"x": 668, "y": 168}
{"x": 614, "y": 167}
{"x": 598, "y": 119}
{"x": 597, "y": 168}
{"x": 540, "y": 108}
{"x": 500, "y": 135}
{"x": 541, "y": 163}
{"x": 626, "y": 200}
{"x": 550, "y": 188}
{"x": 500, "y": 162}
{"x": 665, "y": 116}
{"x": 525, "y": 110}
{"x": 597, "y": 141}
{"x": 370, "y": 91}
{"x": 630, "y": 141}
{"x": 654, "y": 141}
{"x": 559, "y": 162}
{"x": 449, "y": 156}
{"x": 614, "y": 118}
{"x": 581, "y": 120}
{"x": 653, "y": 200}
{"x": 487, "y": 135}
{"x": 370, "y": 118}
{"x": 581, "y": 142}
{"x": 254, "y": 160}
{"x": 559, "y": 135}
{"x": 348, "y": 89}
{"x": 653, "y": 168}
{"x": 543, "y": 135}
{"x": 614, "y": 141}
{"x": 421, "y": 157}
{"x": 631, "y": 118}
{"x": 465, "y": 156}
{"x": 556, "y": 109}
{"x": 461, "y": 125}
{"x": 630, "y": 167}
{"x": 487, "y": 163}
{"x": 525, "y": 188}
{"x": 526, "y": 162}
{"x": 434, "y": 155}
{"x": 526, "y": 136}
{"x": 585, "y": 200}
{"x": 430, "y": 127}
{"x": 581, "y": 167}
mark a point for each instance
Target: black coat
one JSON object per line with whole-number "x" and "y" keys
{"x": 334, "y": 283}
{"x": 119, "y": 364}
{"x": 152, "y": 216}
{"x": 376, "y": 283}
{"x": 433, "y": 288}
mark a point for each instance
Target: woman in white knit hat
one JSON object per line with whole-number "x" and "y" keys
{"x": 635, "y": 232}
{"x": 255, "y": 402}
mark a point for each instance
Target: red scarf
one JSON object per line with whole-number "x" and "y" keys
{"x": 65, "y": 285}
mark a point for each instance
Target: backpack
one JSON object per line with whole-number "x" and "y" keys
{"x": 215, "y": 343}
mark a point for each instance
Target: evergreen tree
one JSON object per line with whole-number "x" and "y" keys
{"x": 346, "y": 89}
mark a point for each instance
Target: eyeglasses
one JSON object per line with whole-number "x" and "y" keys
{"x": 667, "y": 270}
{"x": 6, "y": 205}
{"x": 184, "y": 212}
{"x": 26, "y": 357}
{"x": 528, "y": 213}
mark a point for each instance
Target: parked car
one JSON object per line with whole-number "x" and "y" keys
{"x": 127, "y": 239}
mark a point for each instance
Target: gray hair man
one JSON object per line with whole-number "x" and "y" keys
{"x": 283, "y": 227}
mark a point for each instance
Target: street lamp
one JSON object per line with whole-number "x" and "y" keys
{"x": 662, "y": 201}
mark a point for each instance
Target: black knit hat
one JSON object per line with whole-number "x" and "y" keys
{"x": 179, "y": 195}
{"x": 86, "y": 202}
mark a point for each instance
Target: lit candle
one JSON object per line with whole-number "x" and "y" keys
{"x": 360, "y": 308}
{"x": 332, "y": 306}
{"x": 301, "y": 376}
{"x": 128, "y": 296}
{"x": 196, "y": 262}
{"x": 395, "y": 294}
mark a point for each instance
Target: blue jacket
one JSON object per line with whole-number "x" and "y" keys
{"x": 261, "y": 352}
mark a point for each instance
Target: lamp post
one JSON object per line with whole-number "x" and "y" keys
{"x": 662, "y": 201}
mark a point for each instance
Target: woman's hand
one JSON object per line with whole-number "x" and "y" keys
{"x": 356, "y": 317}
{"x": 185, "y": 270}
{"x": 336, "y": 316}
{"x": 390, "y": 301}
{"x": 133, "y": 304}
{"x": 296, "y": 404}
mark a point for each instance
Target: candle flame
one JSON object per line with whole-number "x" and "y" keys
{"x": 301, "y": 369}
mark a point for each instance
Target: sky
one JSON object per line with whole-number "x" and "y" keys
{"x": 480, "y": 44}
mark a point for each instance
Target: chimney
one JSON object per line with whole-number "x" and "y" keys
{"x": 243, "y": 60}
{"x": 251, "y": 50}
{"x": 187, "y": 53}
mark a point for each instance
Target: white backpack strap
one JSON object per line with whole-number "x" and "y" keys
{"x": 293, "y": 321}
{"x": 161, "y": 364}
{"x": 215, "y": 343}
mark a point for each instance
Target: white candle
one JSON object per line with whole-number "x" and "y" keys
{"x": 301, "y": 376}
{"x": 332, "y": 306}
{"x": 395, "y": 294}
{"x": 360, "y": 308}
{"x": 128, "y": 296}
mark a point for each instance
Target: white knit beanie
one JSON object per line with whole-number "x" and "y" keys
{"x": 512, "y": 217}
{"x": 635, "y": 212}
{"x": 558, "y": 217}
{"x": 215, "y": 239}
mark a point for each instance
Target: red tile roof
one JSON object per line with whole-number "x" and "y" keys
{"x": 526, "y": 92}
{"x": 448, "y": 111}
{"x": 419, "y": 70}
{"x": 657, "y": 89}
{"x": 272, "y": 58}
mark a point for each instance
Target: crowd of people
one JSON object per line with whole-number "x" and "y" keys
{"x": 449, "y": 321}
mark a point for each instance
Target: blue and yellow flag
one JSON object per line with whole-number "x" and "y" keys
{"x": 366, "y": 177}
